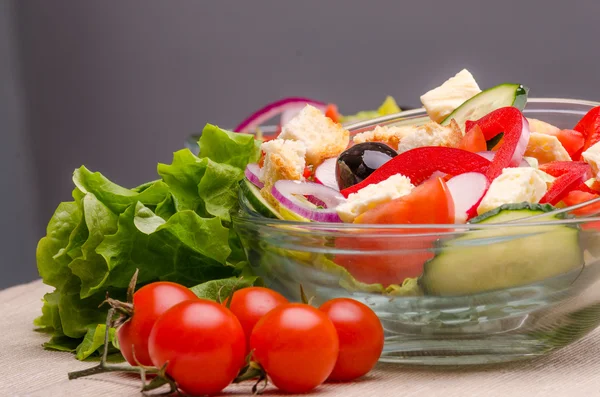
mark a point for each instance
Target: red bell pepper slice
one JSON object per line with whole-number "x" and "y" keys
{"x": 515, "y": 127}
{"x": 589, "y": 126}
{"x": 420, "y": 163}
{"x": 570, "y": 175}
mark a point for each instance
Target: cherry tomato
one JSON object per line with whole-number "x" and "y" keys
{"x": 428, "y": 203}
{"x": 473, "y": 141}
{"x": 571, "y": 140}
{"x": 297, "y": 345}
{"x": 149, "y": 302}
{"x": 361, "y": 337}
{"x": 250, "y": 304}
{"x": 203, "y": 343}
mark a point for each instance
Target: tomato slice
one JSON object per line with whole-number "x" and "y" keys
{"x": 473, "y": 141}
{"x": 332, "y": 112}
{"x": 428, "y": 203}
{"x": 589, "y": 126}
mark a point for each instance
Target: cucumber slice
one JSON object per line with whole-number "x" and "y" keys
{"x": 490, "y": 259}
{"x": 257, "y": 201}
{"x": 487, "y": 101}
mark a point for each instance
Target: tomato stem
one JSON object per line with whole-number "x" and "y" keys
{"x": 103, "y": 366}
{"x": 160, "y": 380}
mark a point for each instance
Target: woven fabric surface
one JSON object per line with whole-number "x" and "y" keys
{"x": 26, "y": 369}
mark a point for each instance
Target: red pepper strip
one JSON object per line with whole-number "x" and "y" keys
{"x": 558, "y": 168}
{"x": 585, "y": 188}
{"x": 515, "y": 127}
{"x": 589, "y": 126}
{"x": 420, "y": 163}
{"x": 567, "y": 181}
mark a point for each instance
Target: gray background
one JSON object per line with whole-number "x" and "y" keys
{"x": 119, "y": 85}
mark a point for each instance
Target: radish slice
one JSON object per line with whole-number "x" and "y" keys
{"x": 251, "y": 172}
{"x": 490, "y": 156}
{"x": 285, "y": 192}
{"x": 467, "y": 190}
{"x": 275, "y": 109}
{"x": 325, "y": 174}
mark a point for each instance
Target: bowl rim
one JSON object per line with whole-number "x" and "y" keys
{"x": 252, "y": 216}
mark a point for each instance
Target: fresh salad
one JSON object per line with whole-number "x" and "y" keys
{"x": 475, "y": 159}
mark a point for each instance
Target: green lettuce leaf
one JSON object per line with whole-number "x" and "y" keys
{"x": 177, "y": 228}
{"x": 93, "y": 341}
{"x": 226, "y": 147}
{"x": 218, "y": 290}
{"x": 115, "y": 197}
{"x": 389, "y": 106}
{"x": 54, "y": 269}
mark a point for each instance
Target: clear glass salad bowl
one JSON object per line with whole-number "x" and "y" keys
{"x": 550, "y": 304}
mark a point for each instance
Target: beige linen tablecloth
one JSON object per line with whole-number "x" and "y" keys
{"x": 26, "y": 369}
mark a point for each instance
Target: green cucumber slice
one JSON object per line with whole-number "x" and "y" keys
{"x": 487, "y": 101}
{"x": 257, "y": 201}
{"x": 496, "y": 258}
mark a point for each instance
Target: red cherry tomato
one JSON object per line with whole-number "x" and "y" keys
{"x": 149, "y": 302}
{"x": 297, "y": 345}
{"x": 360, "y": 334}
{"x": 250, "y": 304}
{"x": 428, "y": 203}
{"x": 202, "y": 342}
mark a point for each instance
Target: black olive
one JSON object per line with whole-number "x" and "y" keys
{"x": 360, "y": 161}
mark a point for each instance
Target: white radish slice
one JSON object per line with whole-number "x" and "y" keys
{"x": 325, "y": 174}
{"x": 467, "y": 190}
{"x": 490, "y": 156}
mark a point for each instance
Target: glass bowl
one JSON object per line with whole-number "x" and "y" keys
{"x": 487, "y": 320}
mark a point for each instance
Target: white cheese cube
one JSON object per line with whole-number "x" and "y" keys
{"x": 592, "y": 157}
{"x": 372, "y": 195}
{"x": 514, "y": 185}
{"x": 443, "y": 100}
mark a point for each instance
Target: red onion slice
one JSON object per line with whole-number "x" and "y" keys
{"x": 285, "y": 192}
{"x": 274, "y": 109}
{"x": 252, "y": 172}
{"x": 490, "y": 156}
{"x": 467, "y": 190}
{"x": 325, "y": 174}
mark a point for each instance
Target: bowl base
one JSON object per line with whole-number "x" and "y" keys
{"x": 465, "y": 352}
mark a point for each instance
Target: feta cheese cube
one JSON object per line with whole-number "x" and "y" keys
{"x": 372, "y": 195}
{"x": 283, "y": 160}
{"x": 546, "y": 148}
{"x": 443, "y": 100}
{"x": 592, "y": 157}
{"x": 322, "y": 137}
{"x": 514, "y": 185}
{"x": 430, "y": 134}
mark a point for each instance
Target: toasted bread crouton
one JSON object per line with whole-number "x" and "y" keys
{"x": 546, "y": 148}
{"x": 283, "y": 160}
{"x": 322, "y": 137}
{"x": 431, "y": 134}
{"x": 391, "y": 135}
